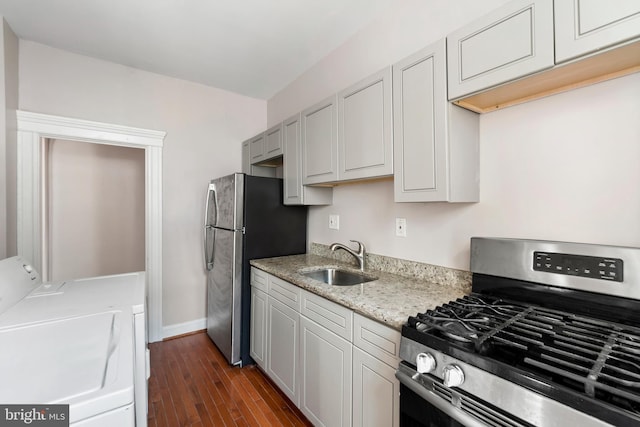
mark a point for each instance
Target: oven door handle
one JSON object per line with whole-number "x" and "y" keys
{"x": 446, "y": 407}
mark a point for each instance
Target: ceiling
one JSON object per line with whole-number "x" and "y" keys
{"x": 251, "y": 47}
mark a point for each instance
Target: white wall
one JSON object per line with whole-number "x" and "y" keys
{"x": 96, "y": 217}
{"x": 8, "y": 106}
{"x": 564, "y": 167}
{"x": 405, "y": 28}
{"x": 204, "y": 126}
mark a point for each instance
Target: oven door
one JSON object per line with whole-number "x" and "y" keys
{"x": 415, "y": 411}
{"x": 425, "y": 402}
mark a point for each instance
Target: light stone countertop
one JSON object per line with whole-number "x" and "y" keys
{"x": 390, "y": 299}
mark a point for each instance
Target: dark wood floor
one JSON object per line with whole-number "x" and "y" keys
{"x": 191, "y": 384}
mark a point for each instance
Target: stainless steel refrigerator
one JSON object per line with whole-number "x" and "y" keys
{"x": 244, "y": 219}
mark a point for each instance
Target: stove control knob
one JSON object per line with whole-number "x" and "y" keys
{"x": 425, "y": 363}
{"x": 452, "y": 376}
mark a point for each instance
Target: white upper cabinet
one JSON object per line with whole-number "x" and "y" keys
{"x": 246, "y": 158}
{"x": 294, "y": 192}
{"x": 320, "y": 142}
{"x": 248, "y": 167}
{"x": 435, "y": 142}
{"x": 266, "y": 145}
{"x": 511, "y": 42}
{"x": 256, "y": 148}
{"x": 273, "y": 142}
{"x": 365, "y": 135}
{"x": 585, "y": 26}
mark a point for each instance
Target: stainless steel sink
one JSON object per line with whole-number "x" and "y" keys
{"x": 337, "y": 277}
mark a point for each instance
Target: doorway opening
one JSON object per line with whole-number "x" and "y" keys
{"x": 94, "y": 210}
{"x": 33, "y": 129}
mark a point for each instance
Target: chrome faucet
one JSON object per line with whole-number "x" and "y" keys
{"x": 359, "y": 254}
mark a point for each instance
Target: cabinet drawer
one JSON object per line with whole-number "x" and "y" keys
{"x": 334, "y": 317}
{"x": 510, "y": 42}
{"x": 259, "y": 279}
{"x": 285, "y": 292}
{"x": 378, "y": 340}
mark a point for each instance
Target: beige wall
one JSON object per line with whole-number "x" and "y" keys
{"x": 8, "y": 107}
{"x": 204, "y": 126}
{"x": 96, "y": 218}
{"x": 563, "y": 167}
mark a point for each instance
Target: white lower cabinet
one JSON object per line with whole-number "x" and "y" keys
{"x": 325, "y": 365}
{"x": 258, "y": 349}
{"x": 282, "y": 347}
{"x": 376, "y": 392}
{"x": 336, "y": 366}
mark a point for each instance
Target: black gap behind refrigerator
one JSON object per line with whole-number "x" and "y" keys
{"x": 271, "y": 229}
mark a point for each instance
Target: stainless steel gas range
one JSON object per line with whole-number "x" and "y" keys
{"x": 549, "y": 336}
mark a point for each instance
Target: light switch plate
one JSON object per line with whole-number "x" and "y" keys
{"x": 401, "y": 227}
{"x": 334, "y": 221}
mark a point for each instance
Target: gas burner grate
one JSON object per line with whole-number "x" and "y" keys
{"x": 598, "y": 358}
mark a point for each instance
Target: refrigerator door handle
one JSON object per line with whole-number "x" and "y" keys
{"x": 208, "y": 259}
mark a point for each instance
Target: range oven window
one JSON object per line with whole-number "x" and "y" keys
{"x": 417, "y": 412}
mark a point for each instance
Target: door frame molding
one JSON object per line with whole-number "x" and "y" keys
{"x": 33, "y": 128}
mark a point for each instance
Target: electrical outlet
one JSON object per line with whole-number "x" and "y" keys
{"x": 401, "y": 227}
{"x": 334, "y": 221}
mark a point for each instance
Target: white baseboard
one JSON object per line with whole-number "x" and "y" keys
{"x": 184, "y": 328}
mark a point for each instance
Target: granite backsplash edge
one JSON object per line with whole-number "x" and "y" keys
{"x": 433, "y": 273}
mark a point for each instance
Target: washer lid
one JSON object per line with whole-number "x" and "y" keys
{"x": 84, "y": 361}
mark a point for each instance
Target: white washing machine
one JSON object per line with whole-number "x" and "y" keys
{"x": 79, "y": 342}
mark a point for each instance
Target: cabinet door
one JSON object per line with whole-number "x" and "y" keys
{"x": 365, "y": 140}
{"x": 256, "y": 148}
{"x": 294, "y": 192}
{"x": 291, "y": 161}
{"x": 273, "y": 142}
{"x": 320, "y": 143}
{"x": 258, "y": 350}
{"x": 246, "y": 158}
{"x": 510, "y": 42}
{"x": 584, "y": 26}
{"x": 376, "y": 392}
{"x": 325, "y": 375}
{"x": 420, "y": 126}
{"x": 435, "y": 142}
{"x": 282, "y": 347}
